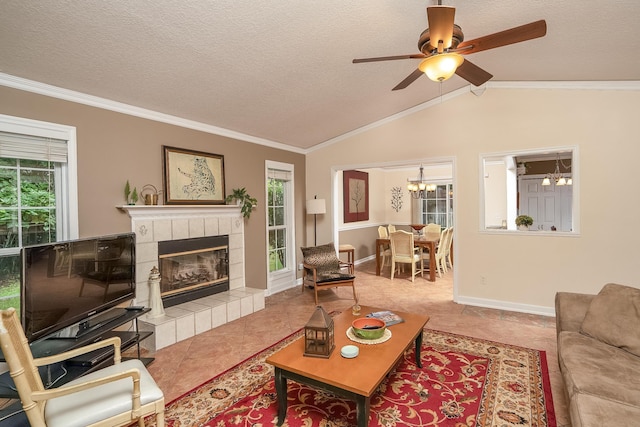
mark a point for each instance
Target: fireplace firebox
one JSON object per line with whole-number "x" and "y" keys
{"x": 193, "y": 268}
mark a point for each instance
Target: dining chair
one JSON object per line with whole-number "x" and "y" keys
{"x": 432, "y": 228}
{"x": 440, "y": 255}
{"x": 448, "y": 255}
{"x": 391, "y": 228}
{"x": 403, "y": 251}
{"x": 117, "y": 395}
{"x": 386, "y": 249}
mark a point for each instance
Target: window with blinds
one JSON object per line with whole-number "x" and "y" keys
{"x": 17, "y": 146}
{"x": 38, "y": 200}
{"x": 29, "y": 179}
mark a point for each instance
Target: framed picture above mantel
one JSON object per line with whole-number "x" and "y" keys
{"x": 355, "y": 195}
{"x": 192, "y": 177}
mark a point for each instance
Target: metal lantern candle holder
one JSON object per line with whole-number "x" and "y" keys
{"x": 319, "y": 339}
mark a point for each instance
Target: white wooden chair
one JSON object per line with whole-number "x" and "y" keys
{"x": 432, "y": 228}
{"x": 403, "y": 251}
{"x": 117, "y": 395}
{"x": 386, "y": 251}
{"x": 447, "y": 254}
{"x": 441, "y": 252}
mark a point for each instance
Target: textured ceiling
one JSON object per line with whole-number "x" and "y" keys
{"x": 281, "y": 70}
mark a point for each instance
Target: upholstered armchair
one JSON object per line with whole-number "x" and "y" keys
{"x": 117, "y": 395}
{"x": 323, "y": 269}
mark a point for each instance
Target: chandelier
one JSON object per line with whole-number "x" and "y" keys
{"x": 557, "y": 176}
{"x": 418, "y": 189}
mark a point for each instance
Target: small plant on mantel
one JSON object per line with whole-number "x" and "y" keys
{"x": 241, "y": 197}
{"x": 524, "y": 220}
{"x": 130, "y": 197}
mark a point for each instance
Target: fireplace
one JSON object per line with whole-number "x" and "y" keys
{"x": 193, "y": 268}
{"x": 154, "y": 224}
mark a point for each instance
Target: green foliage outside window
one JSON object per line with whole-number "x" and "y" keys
{"x": 277, "y": 226}
{"x": 27, "y": 210}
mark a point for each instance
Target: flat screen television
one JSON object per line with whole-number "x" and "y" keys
{"x": 73, "y": 282}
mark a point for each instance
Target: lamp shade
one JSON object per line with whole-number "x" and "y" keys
{"x": 440, "y": 67}
{"x": 316, "y": 206}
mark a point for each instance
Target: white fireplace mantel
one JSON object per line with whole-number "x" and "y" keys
{"x": 151, "y": 212}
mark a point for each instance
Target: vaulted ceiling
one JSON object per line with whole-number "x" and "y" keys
{"x": 282, "y": 71}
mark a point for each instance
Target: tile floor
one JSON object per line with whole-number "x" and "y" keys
{"x": 187, "y": 364}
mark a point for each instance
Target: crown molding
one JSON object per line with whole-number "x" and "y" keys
{"x": 119, "y": 107}
{"x": 94, "y": 101}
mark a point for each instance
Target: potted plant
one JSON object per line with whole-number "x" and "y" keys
{"x": 241, "y": 197}
{"x": 131, "y": 197}
{"x": 524, "y": 222}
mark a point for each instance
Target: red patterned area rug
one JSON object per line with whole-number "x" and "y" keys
{"x": 464, "y": 381}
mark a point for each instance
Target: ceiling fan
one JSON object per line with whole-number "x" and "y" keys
{"x": 442, "y": 46}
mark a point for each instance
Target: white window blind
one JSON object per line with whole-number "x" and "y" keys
{"x": 282, "y": 175}
{"x": 18, "y": 146}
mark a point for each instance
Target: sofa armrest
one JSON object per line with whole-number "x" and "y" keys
{"x": 570, "y": 310}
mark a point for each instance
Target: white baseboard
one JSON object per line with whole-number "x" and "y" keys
{"x": 284, "y": 287}
{"x": 504, "y": 305}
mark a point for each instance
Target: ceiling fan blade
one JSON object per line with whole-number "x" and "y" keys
{"x": 390, "y": 58}
{"x": 440, "y": 25}
{"x": 519, "y": 34}
{"x": 472, "y": 73}
{"x": 409, "y": 79}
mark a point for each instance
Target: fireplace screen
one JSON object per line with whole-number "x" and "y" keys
{"x": 191, "y": 265}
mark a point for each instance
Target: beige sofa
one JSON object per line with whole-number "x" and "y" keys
{"x": 599, "y": 355}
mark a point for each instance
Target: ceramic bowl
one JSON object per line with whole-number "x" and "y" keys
{"x": 349, "y": 351}
{"x": 368, "y": 328}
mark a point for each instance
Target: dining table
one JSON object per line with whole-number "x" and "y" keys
{"x": 426, "y": 241}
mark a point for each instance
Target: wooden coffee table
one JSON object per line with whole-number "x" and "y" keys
{"x": 356, "y": 378}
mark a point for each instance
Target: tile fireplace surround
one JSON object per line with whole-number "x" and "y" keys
{"x": 153, "y": 224}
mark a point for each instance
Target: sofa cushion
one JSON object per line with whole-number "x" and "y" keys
{"x": 592, "y": 411}
{"x": 613, "y": 317}
{"x": 592, "y": 367}
{"x": 334, "y": 277}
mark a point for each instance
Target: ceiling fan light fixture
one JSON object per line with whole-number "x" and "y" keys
{"x": 441, "y": 66}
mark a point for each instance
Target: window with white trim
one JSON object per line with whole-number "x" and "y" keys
{"x": 280, "y": 224}
{"x": 38, "y": 200}
{"x": 437, "y": 207}
{"x": 278, "y": 228}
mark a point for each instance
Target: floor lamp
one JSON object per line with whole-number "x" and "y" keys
{"x": 315, "y": 206}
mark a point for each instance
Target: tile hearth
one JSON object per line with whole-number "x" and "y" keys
{"x": 195, "y": 317}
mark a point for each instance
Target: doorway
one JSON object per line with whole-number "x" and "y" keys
{"x": 384, "y": 180}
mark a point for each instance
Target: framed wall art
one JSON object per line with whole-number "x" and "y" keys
{"x": 192, "y": 177}
{"x": 355, "y": 196}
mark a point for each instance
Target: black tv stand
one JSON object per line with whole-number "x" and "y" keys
{"x": 98, "y": 321}
{"x": 61, "y": 373}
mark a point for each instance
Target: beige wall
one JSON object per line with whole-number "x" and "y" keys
{"x": 114, "y": 147}
{"x": 495, "y": 192}
{"x": 520, "y": 271}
